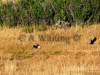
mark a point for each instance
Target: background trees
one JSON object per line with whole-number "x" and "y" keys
{"x": 42, "y": 12}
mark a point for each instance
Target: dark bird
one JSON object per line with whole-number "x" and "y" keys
{"x": 93, "y": 40}
{"x": 36, "y": 46}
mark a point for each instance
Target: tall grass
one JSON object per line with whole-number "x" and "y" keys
{"x": 54, "y": 57}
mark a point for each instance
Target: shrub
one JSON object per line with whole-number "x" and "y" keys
{"x": 28, "y": 29}
{"x": 40, "y": 28}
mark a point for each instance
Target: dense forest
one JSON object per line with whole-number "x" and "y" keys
{"x": 47, "y": 12}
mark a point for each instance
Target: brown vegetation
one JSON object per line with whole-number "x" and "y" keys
{"x": 54, "y": 57}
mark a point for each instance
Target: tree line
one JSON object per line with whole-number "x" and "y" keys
{"x": 47, "y": 12}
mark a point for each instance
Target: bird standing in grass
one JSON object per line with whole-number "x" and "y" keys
{"x": 36, "y": 46}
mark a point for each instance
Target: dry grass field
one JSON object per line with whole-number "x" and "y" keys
{"x": 5, "y": 1}
{"x": 55, "y": 57}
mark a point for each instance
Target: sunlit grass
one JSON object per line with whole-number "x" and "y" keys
{"x": 54, "y": 57}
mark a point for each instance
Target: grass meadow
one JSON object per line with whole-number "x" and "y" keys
{"x": 64, "y": 57}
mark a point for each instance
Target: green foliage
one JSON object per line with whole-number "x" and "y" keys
{"x": 40, "y": 28}
{"x": 41, "y": 12}
{"x": 28, "y": 29}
